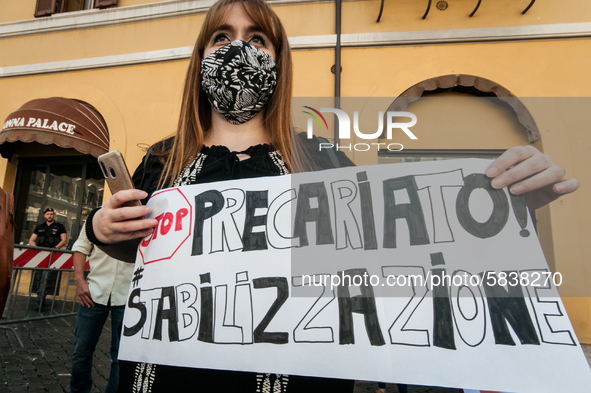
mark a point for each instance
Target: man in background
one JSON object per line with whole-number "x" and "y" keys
{"x": 50, "y": 234}
{"x": 103, "y": 291}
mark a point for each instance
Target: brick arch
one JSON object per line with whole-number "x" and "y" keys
{"x": 473, "y": 85}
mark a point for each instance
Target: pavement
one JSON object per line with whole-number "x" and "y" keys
{"x": 43, "y": 365}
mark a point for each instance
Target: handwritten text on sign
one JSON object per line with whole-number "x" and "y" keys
{"x": 406, "y": 273}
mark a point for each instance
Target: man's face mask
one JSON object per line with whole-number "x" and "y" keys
{"x": 238, "y": 79}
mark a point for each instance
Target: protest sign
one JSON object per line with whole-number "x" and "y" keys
{"x": 415, "y": 273}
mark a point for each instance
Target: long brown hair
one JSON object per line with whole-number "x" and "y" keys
{"x": 195, "y": 116}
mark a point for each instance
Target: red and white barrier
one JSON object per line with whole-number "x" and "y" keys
{"x": 31, "y": 258}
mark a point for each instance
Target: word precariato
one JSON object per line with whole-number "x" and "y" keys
{"x": 259, "y": 231}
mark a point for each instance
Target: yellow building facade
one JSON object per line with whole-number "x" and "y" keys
{"x": 129, "y": 62}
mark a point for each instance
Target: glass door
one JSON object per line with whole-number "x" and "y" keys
{"x": 71, "y": 186}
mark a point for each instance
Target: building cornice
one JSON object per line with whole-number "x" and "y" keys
{"x": 88, "y": 19}
{"x": 458, "y": 36}
{"x": 97, "y": 62}
{"x": 364, "y": 40}
{"x": 178, "y": 8}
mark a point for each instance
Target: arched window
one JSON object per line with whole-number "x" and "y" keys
{"x": 461, "y": 116}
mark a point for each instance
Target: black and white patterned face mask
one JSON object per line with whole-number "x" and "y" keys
{"x": 238, "y": 79}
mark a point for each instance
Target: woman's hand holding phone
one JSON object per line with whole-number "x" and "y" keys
{"x": 115, "y": 222}
{"x": 122, "y": 217}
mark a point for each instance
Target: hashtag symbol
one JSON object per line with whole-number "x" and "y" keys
{"x": 137, "y": 276}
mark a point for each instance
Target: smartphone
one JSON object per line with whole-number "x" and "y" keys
{"x": 115, "y": 171}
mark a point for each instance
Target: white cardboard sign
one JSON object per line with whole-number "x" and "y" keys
{"x": 412, "y": 273}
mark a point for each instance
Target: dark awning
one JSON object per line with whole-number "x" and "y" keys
{"x": 61, "y": 121}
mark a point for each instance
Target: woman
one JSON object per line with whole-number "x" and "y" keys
{"x": 227, "y": 133}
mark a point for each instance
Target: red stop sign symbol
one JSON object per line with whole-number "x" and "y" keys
{"x": 175, "y": 219}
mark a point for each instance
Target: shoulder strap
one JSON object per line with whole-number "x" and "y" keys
{"x": 331, "y": 153}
